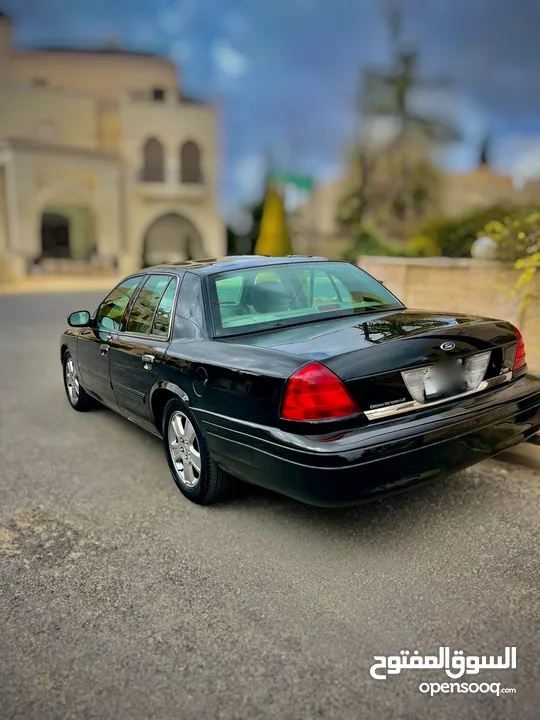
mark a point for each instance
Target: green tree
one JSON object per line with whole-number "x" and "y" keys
{"x": 389, "y": 92}
{"x": 399, "y": 183}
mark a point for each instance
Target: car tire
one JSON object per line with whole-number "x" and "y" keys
{"x": 77, "y": 396}
{"x": 194, "y": 471}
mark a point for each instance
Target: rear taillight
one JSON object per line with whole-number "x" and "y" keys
{"x": 315, "y": 393}
{"x": 521, "y": 358}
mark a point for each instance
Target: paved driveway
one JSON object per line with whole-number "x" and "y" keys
{"x": 119, "y": 599}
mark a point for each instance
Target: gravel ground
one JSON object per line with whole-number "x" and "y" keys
{"x": 119, "y": 599}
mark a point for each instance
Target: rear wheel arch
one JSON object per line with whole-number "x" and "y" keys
{"x": 160, "y": 397}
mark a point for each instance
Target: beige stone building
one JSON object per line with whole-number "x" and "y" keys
{"x": 464, "y": 192}
{"x": 103, "y": 162}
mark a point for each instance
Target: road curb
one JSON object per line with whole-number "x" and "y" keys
{"x": 526, "y": 454}
{"x": 34, "y": 286}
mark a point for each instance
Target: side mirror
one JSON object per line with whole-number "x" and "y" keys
{"x": 81, "y": 318}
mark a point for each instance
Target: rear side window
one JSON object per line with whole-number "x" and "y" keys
{"x": 162, "y": 318}
{"x": 189, "y": 318}
{"x": 146, "y": 303}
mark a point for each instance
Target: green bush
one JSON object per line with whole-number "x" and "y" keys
{"x": 424, "y": 246}
{"x": 366, "y": 243}
{"x": 518, "y": 236}
{"x": 454, "y": 236}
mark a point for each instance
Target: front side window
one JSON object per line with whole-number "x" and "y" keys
{"x": 111, "y": 311}
{"x": 144, "y": 307}
{"x": 162, "y": 318}
{"x": 254, "y": 299}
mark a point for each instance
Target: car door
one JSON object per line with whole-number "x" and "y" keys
{"x": 94, "y": 342}
{"x": 137, "y": 351}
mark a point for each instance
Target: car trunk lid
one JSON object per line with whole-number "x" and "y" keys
{"x": 371, "y": 353}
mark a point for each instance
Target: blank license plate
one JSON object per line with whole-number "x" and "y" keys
{"x": 439, "y": 379}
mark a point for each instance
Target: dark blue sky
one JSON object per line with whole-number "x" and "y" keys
{"x": 287, "y": 70}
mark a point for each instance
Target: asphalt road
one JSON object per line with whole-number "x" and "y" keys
{"x": 119, "y": 599}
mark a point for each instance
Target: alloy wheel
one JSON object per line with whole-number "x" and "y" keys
{"x": 184, "y": 449}
{"x": 72, "y": 382}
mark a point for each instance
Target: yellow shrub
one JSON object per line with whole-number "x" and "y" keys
{"x": 274, "y": 236}
{"x": 424, "y": 246}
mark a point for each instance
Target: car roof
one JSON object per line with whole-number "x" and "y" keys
{"x": 210, "y": 266}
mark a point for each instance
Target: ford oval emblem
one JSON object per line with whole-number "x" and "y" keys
{"x": 448, "y": 346}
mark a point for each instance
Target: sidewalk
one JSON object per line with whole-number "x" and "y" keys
{"x": 58, "y": 284}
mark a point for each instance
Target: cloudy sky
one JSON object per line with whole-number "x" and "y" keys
{"x": 286, "y": 70}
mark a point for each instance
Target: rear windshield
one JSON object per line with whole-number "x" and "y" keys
{"x": 262, "y": 298}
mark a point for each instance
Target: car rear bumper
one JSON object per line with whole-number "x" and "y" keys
{"x": 380, "y": 457}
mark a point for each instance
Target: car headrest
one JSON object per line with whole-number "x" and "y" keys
{"x": 269, "y": 297}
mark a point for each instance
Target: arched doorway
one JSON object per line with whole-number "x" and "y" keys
{"x": 67, "y": 232}
{"x": 171, "y": 238}
{"x": 54, "y": 235}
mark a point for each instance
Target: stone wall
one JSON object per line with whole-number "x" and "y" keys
{"x": 467, "y": 286}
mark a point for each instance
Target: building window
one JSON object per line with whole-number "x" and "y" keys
{"x": 154, "y": 161}
{"x": 190, "y": 163}
{"x": 158, "y": 94}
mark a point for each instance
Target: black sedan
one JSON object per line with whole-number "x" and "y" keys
{"x": 299, "y": 374}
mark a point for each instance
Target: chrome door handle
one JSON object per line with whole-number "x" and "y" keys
{"x": 104, "y": 349}
{"x": 147, "y": 361}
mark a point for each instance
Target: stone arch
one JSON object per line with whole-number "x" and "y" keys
{"x": 190, "y": 163}
{"x": 64, "y": 191}
{"x": 171, "y": 237}
{"x": 153, "y": 161}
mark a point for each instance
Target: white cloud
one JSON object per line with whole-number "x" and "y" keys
{"x": 295, "y": 198}
{"x": 519, "y": 156}
{"x": 228, "y": 60}
{"x": 240, "y": 220}
{"x": 176, "y": 17}
{"x": 248, "y": 177}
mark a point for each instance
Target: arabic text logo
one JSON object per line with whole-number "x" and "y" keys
{"x": 455, "y": 666}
